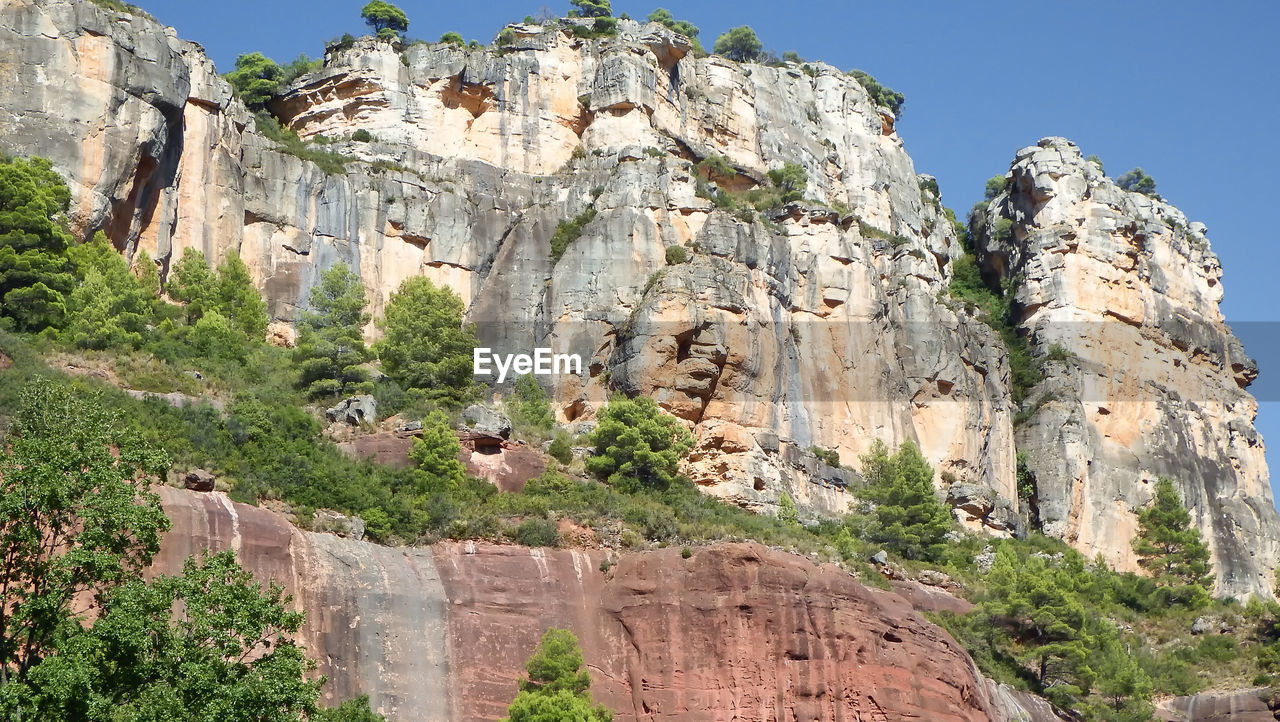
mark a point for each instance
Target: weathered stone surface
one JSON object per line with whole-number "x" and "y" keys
{"x": 734, "y": 632}
{"x": 1148, "y": 379}
{"x": 199, "y": 480}
{"x": 354, "y": 411}
{"x": 330, "y": 521}
{"x": 1256, "y": 705}
{"x": 487, "y": 420}
{"x": 822, "y": 327}
{"x": 807, "y": 332}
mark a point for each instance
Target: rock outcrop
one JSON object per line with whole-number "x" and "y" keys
{"x": 1119, "y": 293}
{"x": 824, "y": 323}
{"x": 734, "y": 632}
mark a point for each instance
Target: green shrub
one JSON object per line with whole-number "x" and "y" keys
{"x": 538, "y": 533}
{"x": 792, "y": 180}
{"x": 569, "y": 231}
{"x": 1137, "y": 181}
{"x": 715, "y": 166}
{"x": 880, "y": 95}
{"x": 452, "y": 38}
{"x": 677, "y": 255}
{"x": 256, "y": 79}
{"x": 561, "y": 449}
{"x": 425, "y": 345}
{"x": 686, "y": 552}
{"x": 637, "y": 446}
{"x": 288, "y": 142}
{"x": 590, "y": 8}
{"x": 528, "y": 407}
{"x": 829, "y": 456}
{"x": 505, "y": 38}
{"x": 362, "y": 136}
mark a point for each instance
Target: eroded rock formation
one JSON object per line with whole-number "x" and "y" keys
{"x": 734, "y": 632}
{"x": 1120, "y": 293}
{"x": 824, "y": 323}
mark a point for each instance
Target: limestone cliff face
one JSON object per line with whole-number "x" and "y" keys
{"x": 823, "y": 324}
{"x": 807, "y": 328}
{"x": 1147, "y": 380}
{"x": 734, "y": 632}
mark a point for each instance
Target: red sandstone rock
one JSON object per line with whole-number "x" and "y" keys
{"x": 736, "y": 632}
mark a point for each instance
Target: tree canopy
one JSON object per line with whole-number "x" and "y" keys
{"x": 425, "y": 346}
{"x": 740, "y": 44}
{"x": 381, "y": 15}
{"x": 556, "y": 688}
{"x": 256, "y": 79}
{"x": 907, "y": 517}
{"x": 591, "y": 8}
{"x": 1138, "y": 181}
{"x": 331, "y": 352}
{"x": 1170, "y": 548}
{"x": 35, "y": 273}
{"x": 663, "y": 16}
{"x": 880, "y": 95}
{"x": 637, "y": 446}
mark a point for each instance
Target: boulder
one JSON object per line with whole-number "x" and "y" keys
{"x": 198, "y": 480}
{"x": 487, "y": 420}
{"x": 880, "y": 558}
{"x": 356, "y": 410}
{"x": 975, "y": 500}
{"x": 347, "y": 527}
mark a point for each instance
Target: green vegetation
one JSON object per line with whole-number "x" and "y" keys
{"x": 256, "y": 79}
{"x": 569, "y": 231}
{"x": 590, "y": 8}
{"x": 561, "y": 449}
{"x": 123, "y": 7}
{"x": 35, "y": 270}
{"x": 557, "y": 685}
{"x": 425, "y": 348}
{"x": 78, "y": 520}
{"x": 1138, "y": 181}
{"x": 791, "y": 180}
{"x": 787, "y": 184}
{"x": 331, "y": 353}
{"x": 676, "y": 255}
{"x": 1170, "y": 549}
{"x": 829, "y": 456}
{"x": 869, "y": 231}
{"x": 362, "y": 136}
{"x": 906, "y": 516}
{"x": 995, "y": 185}
{"x": 880, "y": 95}
{"x": 662, "y": 16}
{"x": 529, "y": 410}
{"x": 288, "y": 141}
{"x": 386, "y": 20}
{"x": 452, "y": 38}
{"x": 637, "y": 446}
{"x": 740, "y": 44}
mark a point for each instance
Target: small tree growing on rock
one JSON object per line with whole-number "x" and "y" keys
{"x": 1170, "y": 548}
{"x": 907, "y": 516}
{"x": 557, "y": 685}
{"x": 637, "y": 446}
{"x": 740, "y": 44}
{"x": 384, "y": 18}
{"x": 591, "y": 8}
{"x": 331, "y": 352}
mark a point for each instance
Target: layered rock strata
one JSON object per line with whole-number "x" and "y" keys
{"x": 736, "y": 631}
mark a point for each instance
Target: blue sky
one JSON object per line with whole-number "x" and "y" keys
{"x": 1181, "y": 88}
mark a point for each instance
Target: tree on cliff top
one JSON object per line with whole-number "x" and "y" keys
{"x": 907, "y": 516}
{"x": 591, "y": 8}
{"x": 663, "y": 16}
{"x": 740, "y": 44}
{"x": 256, "y": 79}
{"x": 1170, "y": 548}
{"x": 383, "y": 16}
{"x": 557, "y": 685}
{"x": 1137, "y": 181}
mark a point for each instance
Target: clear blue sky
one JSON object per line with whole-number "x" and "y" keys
{"x": 1186, "y": 90}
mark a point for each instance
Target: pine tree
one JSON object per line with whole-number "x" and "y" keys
{"x": 331, "y": 351}
{"x": 528, "y": 405}
{"x": 436, "y": 454}
{"x": 637, "y": 446}
{"x": 1170, "y": 548}
{"x": 557, "y": 685}
{"x": 908, "y": 517}
{"x": 425, "y": 344}
{"x": 1038, "y": 605}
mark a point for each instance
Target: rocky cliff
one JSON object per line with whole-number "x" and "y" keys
{"x": 734, "y": 632}
{"x": 823, "y": 323}
{"x": 1119, "y": 292}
